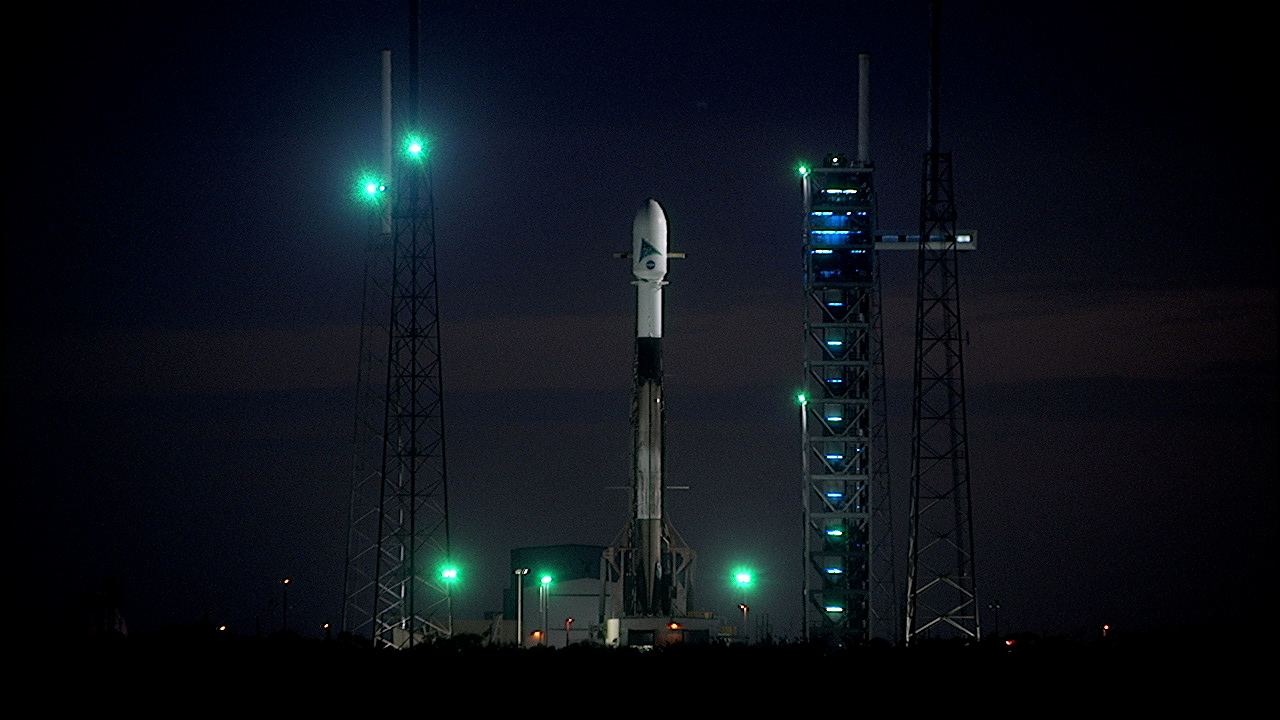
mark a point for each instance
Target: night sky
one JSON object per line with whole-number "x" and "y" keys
{"x": 182, "y": 269}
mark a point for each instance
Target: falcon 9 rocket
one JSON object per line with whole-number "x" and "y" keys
{"x": 649, "y": 267}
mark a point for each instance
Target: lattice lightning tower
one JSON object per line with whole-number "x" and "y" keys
{"x": 397, "y": 593}
{"x": 941, "y": 590}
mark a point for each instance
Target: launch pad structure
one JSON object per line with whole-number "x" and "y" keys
{"x": 850, "y": 592}
{"x": 651, "y": 569}
{"x": 394, "y": 592}
{"x": 841, "y": 341}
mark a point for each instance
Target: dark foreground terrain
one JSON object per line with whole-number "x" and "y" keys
{"x": 199, "y": 666}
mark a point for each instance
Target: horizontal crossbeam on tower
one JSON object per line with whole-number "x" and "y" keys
{"x": 966, "y": 240}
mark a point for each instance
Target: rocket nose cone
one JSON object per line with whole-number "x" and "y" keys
{"x": 651, "y": 212}
{"x": 649, "y": 242}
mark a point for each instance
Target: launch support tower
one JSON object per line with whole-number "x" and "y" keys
{"x": 840, "y": 310}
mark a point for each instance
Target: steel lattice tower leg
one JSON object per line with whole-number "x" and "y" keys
{"x": 886, "y": 601}
{"x": 363, "y": 549}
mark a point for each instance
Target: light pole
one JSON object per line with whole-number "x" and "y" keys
{"x": 520, "y": 573}
{"x": 804, "y": 505}
{"x": 543, "y": 590}
{"x": 284, "y": 602}
{"x": 449, "y": 578}
{"x": 743, "y": 579}
{"x": 568, "y": 622}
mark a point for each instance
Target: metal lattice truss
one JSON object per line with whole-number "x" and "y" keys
{"x": 399, "y": 531}
{"x": 886, "y": 599}
{"x": 941, "y": 593}
{"x": 842, "y": 414}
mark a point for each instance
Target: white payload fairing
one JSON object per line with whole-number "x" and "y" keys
{"x": 649, "y": 266}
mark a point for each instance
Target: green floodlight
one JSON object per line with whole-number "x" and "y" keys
{"x": 449, "y": 574}
{"x": 803, "y": 170}
{"x": 545, "y": 580}
{"x": 742, "y": 577}
{"x": 800, "y": 398}
{"x": 370, "y": 188}
{"x": 415, "y": 147}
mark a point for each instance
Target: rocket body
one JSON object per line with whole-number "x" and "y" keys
{"x": 649, "y": 267}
